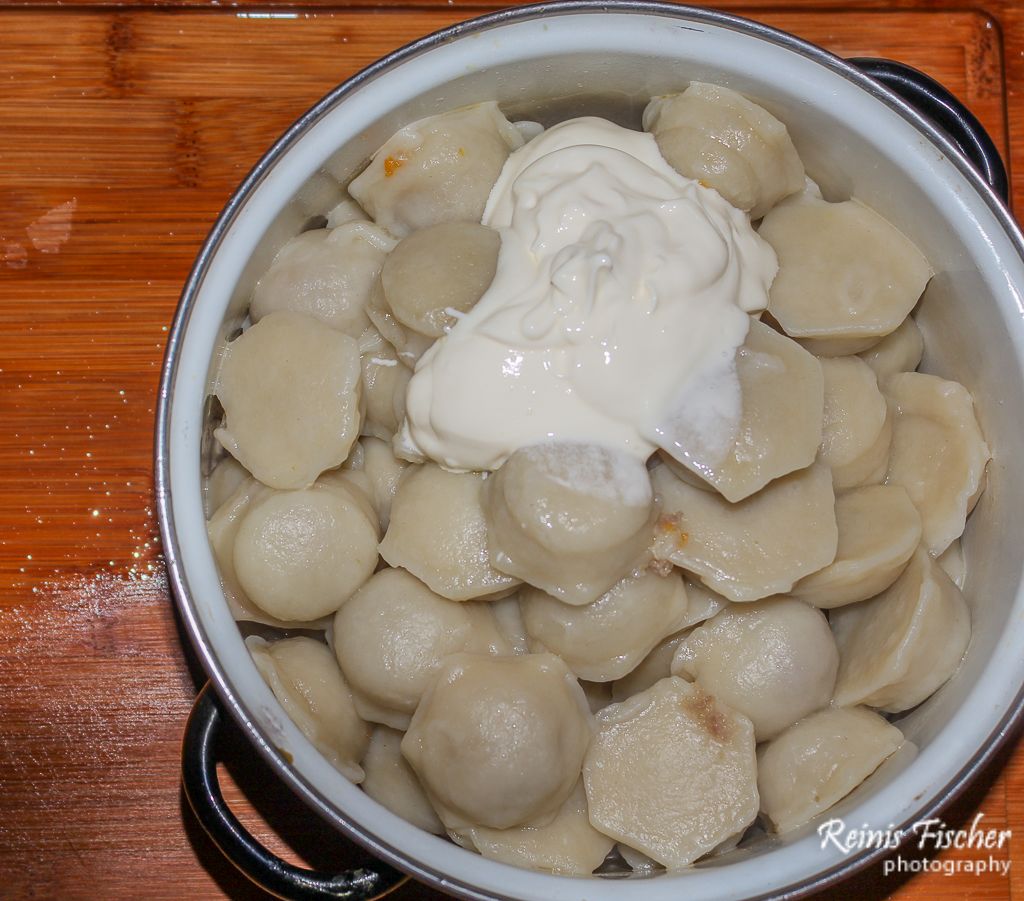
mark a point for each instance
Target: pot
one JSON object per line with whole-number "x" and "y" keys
{"x": 926, "y": 165}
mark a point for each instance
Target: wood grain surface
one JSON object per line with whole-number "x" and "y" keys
{"x": 123, "y": 131}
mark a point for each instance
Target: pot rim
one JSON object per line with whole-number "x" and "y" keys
{"x": 178, "y": 580}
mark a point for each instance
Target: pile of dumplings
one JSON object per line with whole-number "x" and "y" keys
{"x": 579, "y": 659}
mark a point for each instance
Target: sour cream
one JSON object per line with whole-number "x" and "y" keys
{"x": 621, "y": 295}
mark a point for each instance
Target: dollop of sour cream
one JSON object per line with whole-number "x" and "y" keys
{"x": 621, "y": 294}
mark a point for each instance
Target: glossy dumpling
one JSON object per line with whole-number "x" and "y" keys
{"x": 781, "y": 423}
{"x": 657, "y": 665}
{"x": 499, "y": 741}
{"x": 774, "y": 661}
{"x": 305, "y": 678}
{"x": 755, "y": 548}
{"x": 879, "y": 530}
{"x": 900, "y": 351}
{"x": 671, "y": 772}
{"x": 439, "y": 272}
{"x": 227, "y": 477}
{"x": 299, "y": 555}
{"x": 290, "y": 388}
{"x": 567, "y": 845}
{"x": 857, "y": 431}
{"x": 439, "y": 169}
{"x": 390, "y": 781}
{"x": 899, "y": 647}
{"x": 570, "y": 519}
{"x": 606, "y": 639}
{"x": 819, "y": 761}
{"x": 730, "y": 143}
{"x": 383, "y": 471}
{"x": 408, "y": 345}
{"x": 392, "y": 636}
{"x": 438, "y": 532}
{"x": 938, "y": 453}
{"x": 385, "y": 379}
{"x": 845, "y": 273}
{"x": 325, "y": 273}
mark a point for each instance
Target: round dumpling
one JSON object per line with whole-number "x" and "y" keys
{"x": 499, "y": 741}
{"x": 900, "y": 351}
{"x": 606, "y": 639}
{"x": 819, "y": 761}
{"x": 879, "y": 530}
{"x": 938, "y": 453}
{"x": 227, "y": 477}
{"x": 439, "y": 272}
{"x": 383, "y": 471}
{"x": 857, "y": 430}
{"x": 439, "y": 169}
{"x": 774, "y": 661}
{"x": 898, "y": 648}
{"x": 781, "y": 423}
{"x": 845, "y": 275}
{"x": 299, "y": 555}
{"x": 327, "y": 274}
{"x": 291, "y": 393}
{"x": 671, "y": 772}
{"x": 755, "y": 548}
{"x": 385, "y": 379}
{"x": 570, "y": 519}
{"x": 731, "y": 144}
{"x": 392, "y": 636}
{"x": 438, "y": 532}
{"x": 390, "y": 781}
{"x": 305, "y": 678}
{"x": 568, "y": 845}
{"x": 407, "y": 345}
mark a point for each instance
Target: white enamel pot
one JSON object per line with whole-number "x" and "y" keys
{"x": 548, "y": 62}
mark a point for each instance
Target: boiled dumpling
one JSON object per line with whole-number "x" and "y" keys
{"x": 879, "y": 530}
{"x": 570, "y": 519}
{"x": 758, "y": 547}
{"x": 606, "y": 639}
{"x": 731, "y": 144}
{"x": 290, "y": 389}
{"x": 499, "y": 741}
{"x": 857, "y": 429}
{"x": 227, "y": 477}
{"x": 438, "y": 273}
{"x": 900, "y": 351}
{"x": 439, "y": 169}
{"x": 657, "y": 665}
{"x": 819, "y": 761}
{"x": 847, "y": 277}
{"x": 671, "y": 772}
{"x": 899, "y": 647}
{"x": 938, "y": 453}
{"x": 780, "y": 427}
{"x": 392, "y": 636}
{"x": 385, "y": 378}
{"x": 774, "y": 661}
{"x": 299, "y": 555}
{"x": 438, "y": 532}
{"x": 327, "y": 274}
{"x": 383, "y": 471}
{"x": 390, "y": 781}
{"x": 305, "y": 678}
{"x": 567, "y": 845}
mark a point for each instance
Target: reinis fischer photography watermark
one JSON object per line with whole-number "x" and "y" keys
{"x": 932, "y": 835}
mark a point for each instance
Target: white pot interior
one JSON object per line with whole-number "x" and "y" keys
{"x": 610, "y": 63}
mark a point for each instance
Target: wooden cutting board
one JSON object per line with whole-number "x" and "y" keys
{"x": 123, "y": 130}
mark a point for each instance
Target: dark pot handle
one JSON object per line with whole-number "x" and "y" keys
{"x": 936, "y": 103}
{"x": 199, "y": 778}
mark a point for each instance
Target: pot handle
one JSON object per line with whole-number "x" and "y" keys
{"x": 935, "y": 102}
{"x": 269, "y": 872}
